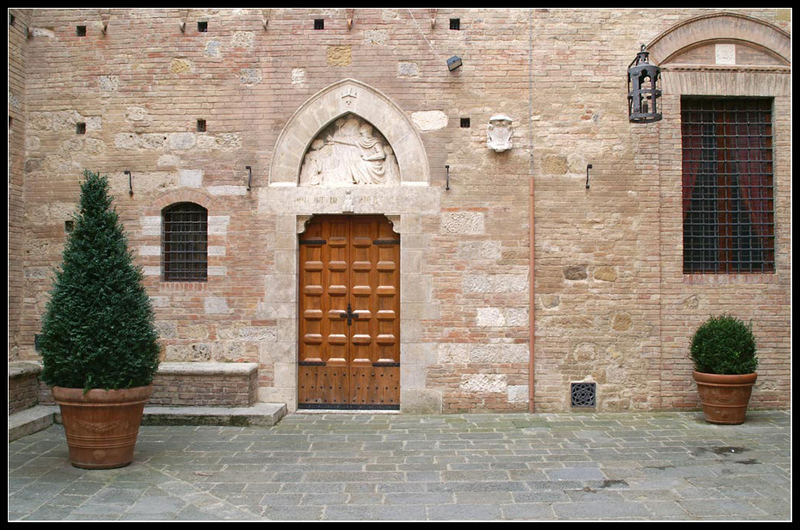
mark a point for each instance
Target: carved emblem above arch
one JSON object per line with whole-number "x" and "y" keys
{"x": 320, "y": 129}
{"x": 722, "y": 39}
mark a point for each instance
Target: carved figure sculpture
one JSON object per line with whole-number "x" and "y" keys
{"x": 351, "y": 153}
{"x": 314, "y": 164}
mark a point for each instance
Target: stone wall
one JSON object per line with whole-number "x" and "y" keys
{"x": 609, "y": 303}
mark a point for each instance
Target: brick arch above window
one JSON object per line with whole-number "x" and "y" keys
{"x": 175, "y": 196}
{"x": 188, "y": 205}
{"x": 721, "y": 27}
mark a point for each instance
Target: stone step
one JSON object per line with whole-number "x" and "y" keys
{"x": 264, "y": 414}
{"x": 29, "y": 421}
{"x": 40, "y": 417}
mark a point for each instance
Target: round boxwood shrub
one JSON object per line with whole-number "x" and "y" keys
{"x": 724, "y": 345}
{"x": 97, "y": 331}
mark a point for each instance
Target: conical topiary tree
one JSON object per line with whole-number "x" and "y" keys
{"x": 98, "y": 329}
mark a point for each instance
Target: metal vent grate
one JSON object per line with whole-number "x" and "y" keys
{"x": 583, "y": 394}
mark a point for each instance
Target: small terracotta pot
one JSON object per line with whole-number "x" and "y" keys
{"x": 724, "y": 397}
{"x": 101, "y": 425}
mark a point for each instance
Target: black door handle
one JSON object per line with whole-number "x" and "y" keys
{"x": 349, "y": 315}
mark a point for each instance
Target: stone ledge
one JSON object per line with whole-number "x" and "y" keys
{"x": 264, "y": 414}
{"x": 206, "y": 368}
{"x": 23, "y": 368}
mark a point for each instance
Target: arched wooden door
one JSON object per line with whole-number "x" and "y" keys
{"x": 349, "y": 351}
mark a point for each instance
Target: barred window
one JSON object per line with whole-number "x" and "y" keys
{"x": 184, "y": 242}
{"x": 728, "y": 209}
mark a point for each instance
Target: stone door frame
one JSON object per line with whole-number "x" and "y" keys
{"x": 292, "y": 206}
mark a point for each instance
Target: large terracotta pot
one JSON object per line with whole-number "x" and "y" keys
{"x": 101, "y": 425}
{"x": 724, "y": 397}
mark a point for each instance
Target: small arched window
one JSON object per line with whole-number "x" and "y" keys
{"x": 184, "y": 242}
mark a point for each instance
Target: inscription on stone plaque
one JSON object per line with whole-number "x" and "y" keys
{"x": 725, "y": 53}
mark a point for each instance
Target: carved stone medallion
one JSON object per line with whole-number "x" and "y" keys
{"x": 499, "y": 133}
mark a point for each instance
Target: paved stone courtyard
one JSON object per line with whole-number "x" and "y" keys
{"x": 490, "y": 467}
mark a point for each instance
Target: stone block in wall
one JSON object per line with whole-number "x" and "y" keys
{"x": 429, "y": 120}
{"x": 420, "y": 401}
{"x": 339, "y": 55}
{"x": 462, "y": 223}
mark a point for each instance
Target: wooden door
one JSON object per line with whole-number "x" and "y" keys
{"x": 349, "y": 351}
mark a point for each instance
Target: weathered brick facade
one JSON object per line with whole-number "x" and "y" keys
{"x": 609, "y": 300}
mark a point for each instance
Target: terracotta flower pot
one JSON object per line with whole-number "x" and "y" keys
{"x": 101, "y": 425}
{"x": 724, "y": 397}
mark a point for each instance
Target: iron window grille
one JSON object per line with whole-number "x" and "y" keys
{"x": 728, "y": 205}
{"x": 185, "y": 242}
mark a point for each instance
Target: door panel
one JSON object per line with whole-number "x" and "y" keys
{"x": 349, "y": 316}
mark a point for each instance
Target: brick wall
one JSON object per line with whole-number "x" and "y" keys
{"x": 23, "y": 386}
{"x": 216, "y": 390}
{"x": 16, "y": 161}
{"x": 612, "y": 303}
{"x": 23, "y": 393}
{"x": 608, "y": 302}
{"x": 596, "y": 263}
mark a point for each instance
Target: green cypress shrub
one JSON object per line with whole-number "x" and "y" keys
{"x": 97, "y": 331}
{"x": 724, "y": 345}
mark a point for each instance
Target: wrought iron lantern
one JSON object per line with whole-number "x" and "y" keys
{"x": 643, "y": 89}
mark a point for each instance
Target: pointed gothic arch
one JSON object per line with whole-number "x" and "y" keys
{"x": 333, "y": 102}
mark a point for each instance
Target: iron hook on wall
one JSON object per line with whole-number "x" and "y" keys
{"x": 183, "y": 23}
{"x": 447, "y": 182}
{"x": 130, "y": 182}
{"x": 249, "y": 177}
{"x": 105, "y": 16}
{"x": 588, "y": 167}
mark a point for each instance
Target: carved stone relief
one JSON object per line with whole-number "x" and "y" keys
{"x": 349, "y": 152}
{"x": 499, "y": 133}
